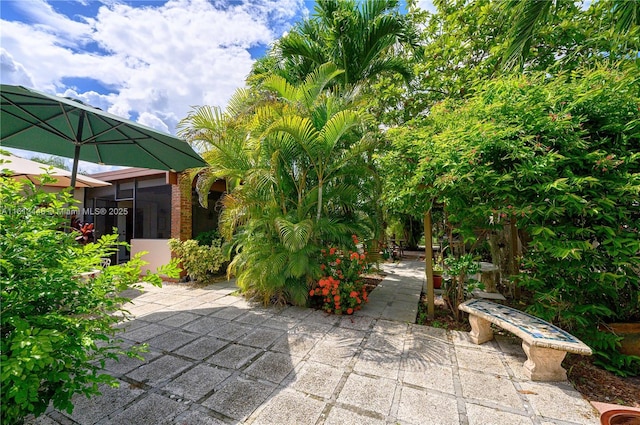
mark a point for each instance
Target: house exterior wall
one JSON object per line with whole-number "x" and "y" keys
{"x": 131, "y": 183}
{"x": 158, "y": 252}
{"x": 181, "y": 210}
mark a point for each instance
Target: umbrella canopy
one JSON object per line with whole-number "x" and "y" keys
{"x": 55, "y": 125}
{"x": 25, "y": 169}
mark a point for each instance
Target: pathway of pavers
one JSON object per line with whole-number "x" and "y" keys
{"x": 216, "y": 359}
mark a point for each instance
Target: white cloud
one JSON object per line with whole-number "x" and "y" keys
{"x": 157, "y": 61}
{"x": 49, "y": 21}
{"x": 152, "y": 121}
{"x": 13, "y": 73}
{"x": 427, "y": 5}
{"x": 92, "y": 98}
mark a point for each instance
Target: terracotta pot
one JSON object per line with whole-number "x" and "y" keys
{"x": 620, "y": 417}
{"x": 437, "y": 281}
{"x": 630, "y": 345}
{"x": 614, "y": 414}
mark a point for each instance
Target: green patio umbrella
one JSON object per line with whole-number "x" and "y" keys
{"x": 56, "y": 125}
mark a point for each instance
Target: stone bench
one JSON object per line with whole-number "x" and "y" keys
{"x": 544, "y": 344}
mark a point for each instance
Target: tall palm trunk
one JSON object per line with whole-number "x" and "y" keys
{"x": 319, "y": 200}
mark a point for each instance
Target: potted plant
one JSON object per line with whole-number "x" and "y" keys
{"x": 438, "y": 270}
{"x": 437, "y": 276}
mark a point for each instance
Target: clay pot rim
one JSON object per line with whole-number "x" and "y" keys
{"x": 609, "y": 415}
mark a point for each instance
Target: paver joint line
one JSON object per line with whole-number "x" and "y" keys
{"x": 376, "y": 367}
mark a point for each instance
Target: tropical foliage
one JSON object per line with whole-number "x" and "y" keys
{"x": 364, "y": 39}
{"x": 199, "y": 261}
{"x": 464, "y": 43}
{"x": 621, "y": 23}
{"x": 298, "y": 175}
{"x": 360, "y": 97}
{"x": 57, "y": 329}
{"x": 559, "y": 156}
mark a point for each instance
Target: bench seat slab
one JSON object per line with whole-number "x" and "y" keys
{"x": 533, "y": 330}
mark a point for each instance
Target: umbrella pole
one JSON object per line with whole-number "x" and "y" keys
{"x": 74, "y": 172}
{"x": 76, "y": 152}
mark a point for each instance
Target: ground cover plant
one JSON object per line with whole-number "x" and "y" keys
{"x": 57, "y": 329}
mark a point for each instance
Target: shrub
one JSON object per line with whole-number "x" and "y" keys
{"x": 341, "y": 288}
{"x": 198, "y": 260}
{"x": 57, "y": 329}
{"x": 209, "y": 238}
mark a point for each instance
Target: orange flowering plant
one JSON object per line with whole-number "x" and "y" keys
{"x": 341, "y": 288}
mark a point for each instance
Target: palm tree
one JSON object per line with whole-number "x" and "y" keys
{"x": 321, "y": 133}
{"x": 298, "y": 172}
{"x": 362, "y": 38}
{"x": 530, "y": 13}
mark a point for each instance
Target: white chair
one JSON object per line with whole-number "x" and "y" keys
{"x": 106, "y": 262}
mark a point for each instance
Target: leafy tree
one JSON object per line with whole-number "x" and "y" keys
{"x": 558, "y": 155}
{"x": 57, "y": 328}
{"x": 56, "y": 161}
{"x": 464, "y": 42}
{"x": 622, "y": 18}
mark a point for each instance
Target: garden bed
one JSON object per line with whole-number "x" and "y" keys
{"x": 372, "y": 280}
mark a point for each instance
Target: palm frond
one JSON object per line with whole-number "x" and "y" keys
{"x": 316, "y": 82}
{"x": 202, "y": 126}
{"x": 529, "y": 14}
{"x": 297, "y": 265}
{"x": 241, "y": 103}
{"x": 337, "y": 126}
{"x": 371, "y": 9}
{"x": 294, "y": 236}
{"x": 304, "y": 44}
{"x": 627, "y": 14}
{"x": 281, "y": 86}
{"x": 389, "y": 65}
{"x": 205, "y": 180}
{"x": 301, "y": 130}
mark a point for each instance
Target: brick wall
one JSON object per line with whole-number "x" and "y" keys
{"x": 181, "y": 217}
{"x": 181, "y": 210}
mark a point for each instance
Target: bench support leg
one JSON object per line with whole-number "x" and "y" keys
{"x": 480, "y": 330}
{"x": 544, "y": 364}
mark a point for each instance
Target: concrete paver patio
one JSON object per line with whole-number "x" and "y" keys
{"x": 216, "y": 359}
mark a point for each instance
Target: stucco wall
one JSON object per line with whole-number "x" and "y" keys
{"x": 158, "y": 250}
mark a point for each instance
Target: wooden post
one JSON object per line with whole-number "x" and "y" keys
{"x": 428, "y": 261}
{"x": 514, "y": 256}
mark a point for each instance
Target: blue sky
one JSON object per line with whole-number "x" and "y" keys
{"x": 146, "y": 60}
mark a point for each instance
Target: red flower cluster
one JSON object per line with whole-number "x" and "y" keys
{"x": 341, "y": 288}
